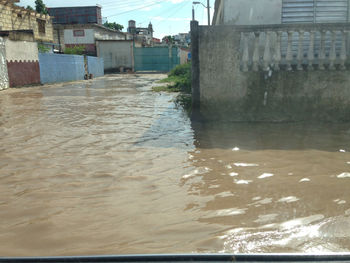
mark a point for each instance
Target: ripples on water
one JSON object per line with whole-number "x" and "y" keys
{"x": 109, "y": 167}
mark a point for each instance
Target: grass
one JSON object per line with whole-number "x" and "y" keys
{"x": 179, "y": 80}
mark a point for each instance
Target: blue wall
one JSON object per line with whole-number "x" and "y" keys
{"x": 96, "y": 66}
{"x": 60, "y": 68}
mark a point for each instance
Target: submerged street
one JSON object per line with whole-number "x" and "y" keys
{"x": 108, "y": 166}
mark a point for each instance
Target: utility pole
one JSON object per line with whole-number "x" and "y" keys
{"x": 193, "y": 18}
{"x": 208, "y": 7}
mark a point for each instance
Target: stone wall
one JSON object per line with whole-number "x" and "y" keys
{"x": 4, "y": 80}
{"x": 16, "y": 18}
{"x": 223, "y": 91}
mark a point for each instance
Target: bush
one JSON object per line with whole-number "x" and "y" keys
{"x": 181, "y": 76}
{"x": 76, "y": 50}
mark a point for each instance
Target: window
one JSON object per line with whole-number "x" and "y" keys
{"x": 79, "y": 33}
{"x": 41, "y": 26}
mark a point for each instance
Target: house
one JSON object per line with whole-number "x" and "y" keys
{"x": 13, "y": 17}
{"x": 265, "y": 12}
{"x": 81, "y": 26}
{"x": 142, "y": 35}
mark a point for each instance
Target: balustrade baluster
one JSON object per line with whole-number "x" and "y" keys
{"x": 277, "y": 55}
{"x": 256, "y": 56}
{"x": 245, "y": 58}
{"x": 300, "y": 50}
{"x": 333, "y": 55}
{"x": 289, "y": 55}
{"x": 267, "y": 52}
{"x": 343, "y": 55}
{"x": 311, "y": 52}
{"x": 322, "y": 55}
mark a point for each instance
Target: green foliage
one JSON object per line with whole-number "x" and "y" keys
{"x": 168, "y": 88}
{"x": 179, "y": 79}
{"x": 169, "y": 39}
{"x": 182, "y": 78}
{"x": 114, "y": 26}
{"x": 29, "y": 8}
{"x": 40, "y": 7}
{"x": 43, "y": 49}
{"x": 76, "y": 50}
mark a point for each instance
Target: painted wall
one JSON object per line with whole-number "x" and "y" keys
{"x": 95, "y": 66}
{"x": 22, "y": 62}
{"x": 116, "y": 54}
{"x": 61, "y": 68}
{"x": 88, "y": 37}
{"x": 4, "y": 80}
{"x": 225, "y": 92}
{"x": 21, "y": 50}
{"x": 251, "y": 12}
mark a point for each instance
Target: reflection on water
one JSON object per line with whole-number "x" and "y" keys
{"x": 109, "y": 167}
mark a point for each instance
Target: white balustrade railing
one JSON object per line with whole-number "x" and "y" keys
{"x": 294, "y": 47}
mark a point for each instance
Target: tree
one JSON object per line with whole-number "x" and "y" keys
{"x": 113, "y": 26}
{"x": 40, "y": 7}
{"x": 29, "y": 8}
{"x": 169, "y": 39}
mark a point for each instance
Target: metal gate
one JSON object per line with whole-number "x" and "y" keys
{"x": 314, "y": 11}
{"x": 161, "y": 59}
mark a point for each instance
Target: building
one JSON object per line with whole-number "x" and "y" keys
{"x": 70, "y": 35}
{"x": 76, "y": 15}
{"x": 265, "y": 12}
{"x": 143, "y": 35}
{"x": 13, "y": 17}
{"x": 81, "y": 26}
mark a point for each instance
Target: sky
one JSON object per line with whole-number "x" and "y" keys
{"x": 169, "y": 17}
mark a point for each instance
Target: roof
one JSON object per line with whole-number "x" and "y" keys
{"x": 71, "y": 7}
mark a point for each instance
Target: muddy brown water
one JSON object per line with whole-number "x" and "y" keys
{"x": 110, "y": 167}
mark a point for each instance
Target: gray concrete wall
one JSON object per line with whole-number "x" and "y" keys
{"x": 252, "y": 12}
{"x": 4, "y": 79}
{"x": 116, "y": 54}
{"x": 228, "y": 93}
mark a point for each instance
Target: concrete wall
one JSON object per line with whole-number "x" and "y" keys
{"x": 4, "y": 80}
{"x": 61, "y": 68}
{"x": 22, "y": 62}
{"x": 252, "y": 12}
{"x": 95, "y": 66}
{"x": 222, "y": 91}
{"x": 183, "y": 55}
{"x": 116, "y": 54}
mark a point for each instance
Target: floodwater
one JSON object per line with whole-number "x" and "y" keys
{"x": 110, "y": 167}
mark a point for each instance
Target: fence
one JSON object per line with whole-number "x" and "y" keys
{"x": 61, "y": 68}
{"x": 307, "y": 46}
{"x": 95, "y": 66}
{"x": 271, "y": 72}
{"x": 161, "y": 59}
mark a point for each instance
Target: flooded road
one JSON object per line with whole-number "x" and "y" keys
{"x": 110, "y": 167}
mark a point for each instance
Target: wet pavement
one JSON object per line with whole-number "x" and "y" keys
{"x": 109, "y": 167}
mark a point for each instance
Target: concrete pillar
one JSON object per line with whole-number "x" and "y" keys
{"x": 195, "y": 65}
